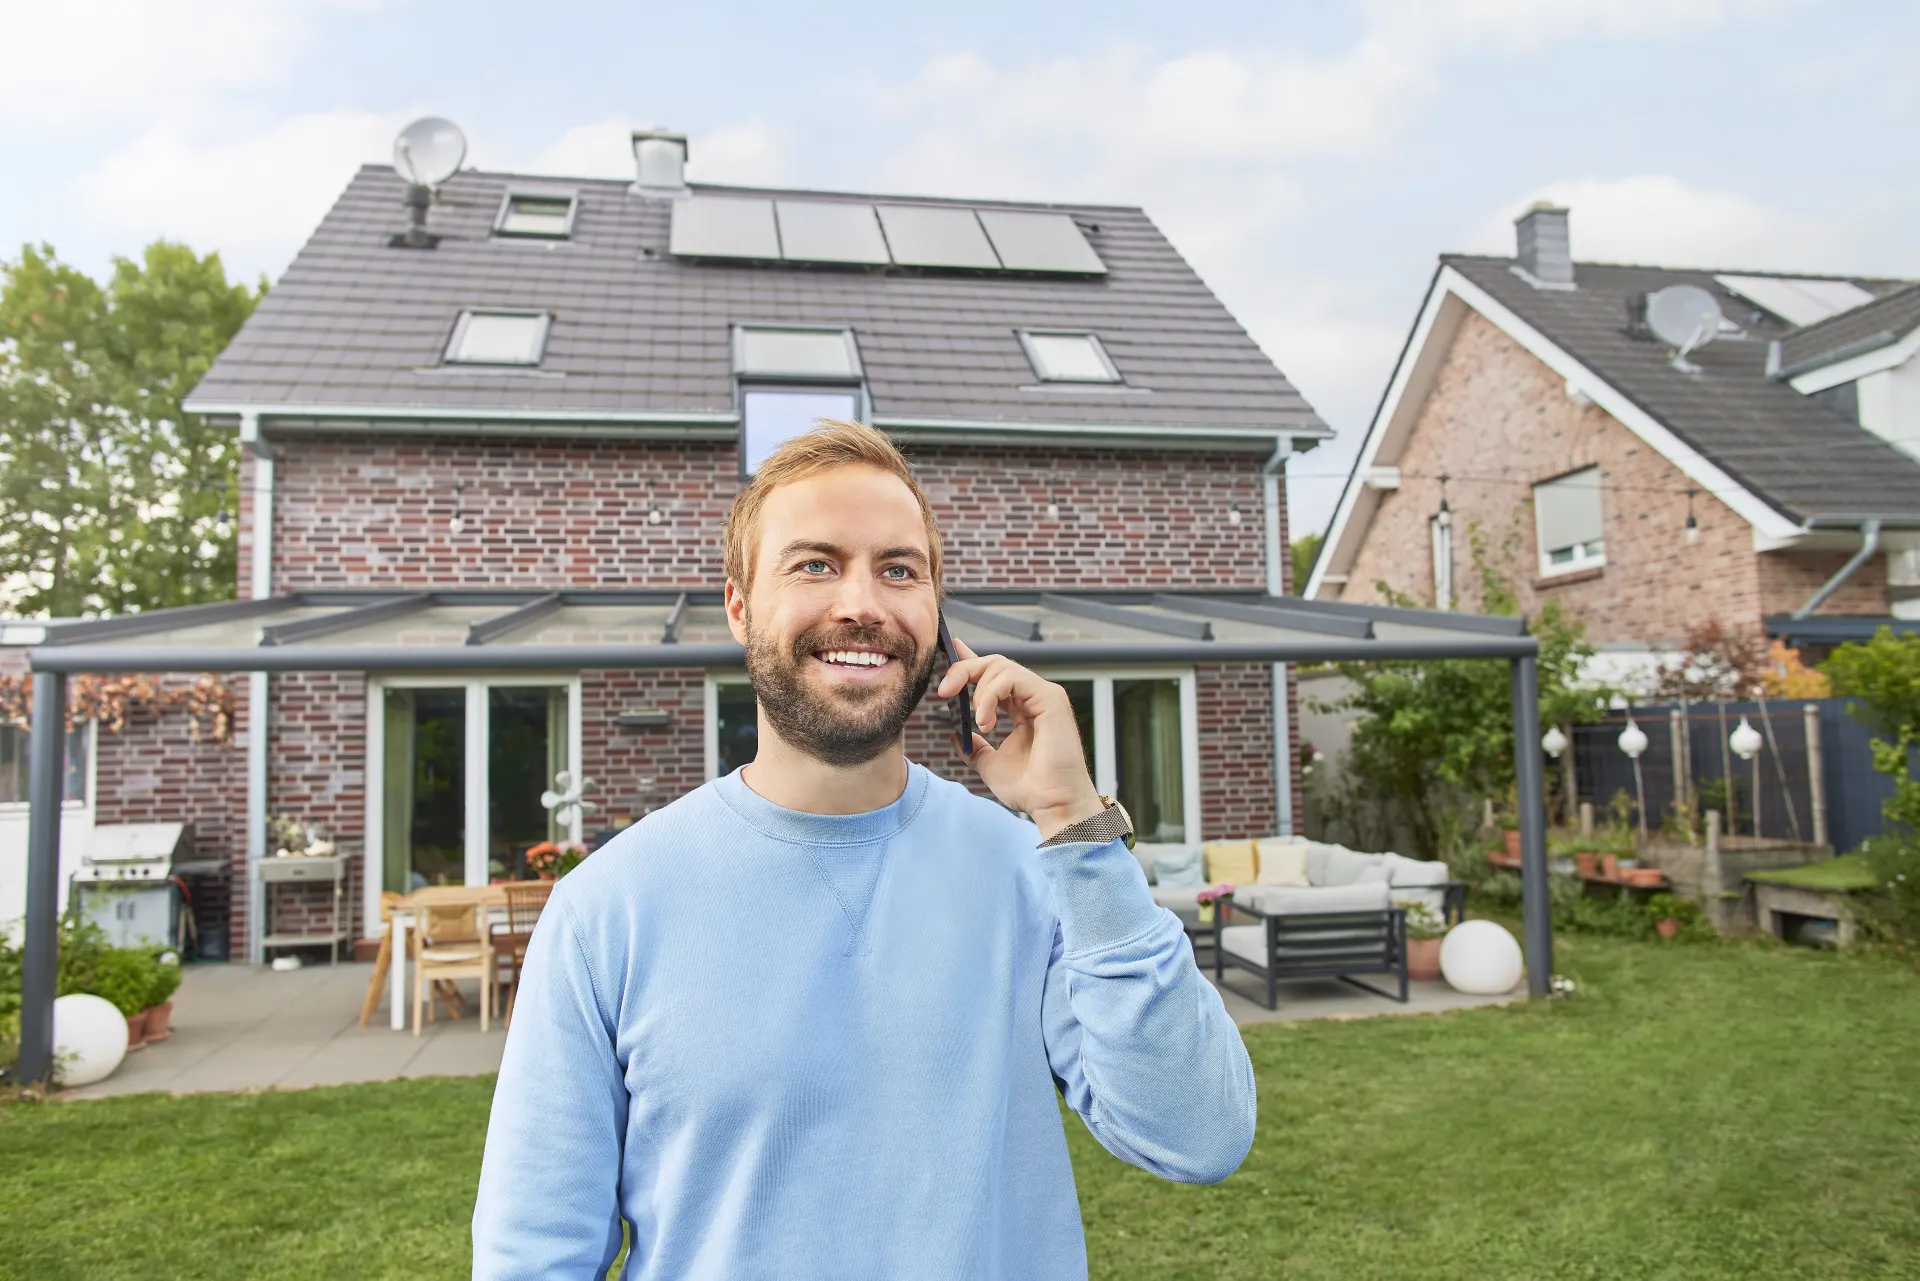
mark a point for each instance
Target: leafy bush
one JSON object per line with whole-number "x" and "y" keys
{"x": 124, "y": 976}
{"x": 166, "y": 981}
{"x": 1893, "y": 914}
{"x": 1883, "y": 677}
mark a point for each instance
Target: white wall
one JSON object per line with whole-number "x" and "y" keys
{"x": 76, "y": 824}
{"x": 1890, "y": 405}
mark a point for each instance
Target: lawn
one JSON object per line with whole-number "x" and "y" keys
{"x": 1695, "y": 1111}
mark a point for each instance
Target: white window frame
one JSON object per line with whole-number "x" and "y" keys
{"x": 500, "y": 227}
{"x": 1039, "y": 366}
{"x": 374, "y": 831}
{"x": 855, "y": 371}
{"x": 1440, "y": 535}
{"x": 1105, "y": 756}
{"x": 542, "y": 332}
{"x": 91, "y": 771}
{"x": 1591, "y": 554}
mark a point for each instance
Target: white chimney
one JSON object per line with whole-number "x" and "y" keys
{"x": 1545, "y": 251}
{"x": 660, "y": 161}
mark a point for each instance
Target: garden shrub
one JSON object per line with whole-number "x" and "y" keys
{"x": 1883, "y": 678}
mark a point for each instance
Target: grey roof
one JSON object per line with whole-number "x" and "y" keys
{"x": 357, "y": 322}
{"x": 1865, "y": 328}
{"x": 1791, "y": 451}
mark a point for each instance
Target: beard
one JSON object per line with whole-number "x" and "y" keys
{"x": 844, "y": 726}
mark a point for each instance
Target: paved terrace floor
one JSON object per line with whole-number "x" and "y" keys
{"x": 239, "y": 1027}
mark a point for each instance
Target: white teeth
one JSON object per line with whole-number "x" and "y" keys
{"x": 853, "y": 657}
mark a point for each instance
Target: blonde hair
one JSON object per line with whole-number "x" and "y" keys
{"x": 831, "y": 444}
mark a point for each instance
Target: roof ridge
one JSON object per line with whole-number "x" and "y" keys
{"x": 1902, "y": 282}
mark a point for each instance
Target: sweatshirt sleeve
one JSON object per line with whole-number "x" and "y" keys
{"x": 1142, "y": 1045}
{"x": 548, "y": 1204}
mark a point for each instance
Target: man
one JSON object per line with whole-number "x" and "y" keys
{"x": 809, "y": 1020}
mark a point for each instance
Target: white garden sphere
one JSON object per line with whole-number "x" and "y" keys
{"x": 1480, "y": 958}
{"x": 89, "y": 1039}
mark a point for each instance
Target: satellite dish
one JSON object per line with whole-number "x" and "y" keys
{"x": 1685, "y": 317}
{"x": 429, "y": 151}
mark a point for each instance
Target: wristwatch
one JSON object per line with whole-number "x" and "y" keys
{"x": 1102, "y": 827}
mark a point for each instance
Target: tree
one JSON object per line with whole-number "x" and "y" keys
{"x": 1717, "y": 662}
{"x": 112, "y": 498}
{"x": 1306, "y": 550}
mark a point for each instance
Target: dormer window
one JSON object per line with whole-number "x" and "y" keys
{"x": 498, "y": 338}
{"x": 790, "y": 377}
{"x": 1068, "y": 356}
{"x": 545, "y": 215}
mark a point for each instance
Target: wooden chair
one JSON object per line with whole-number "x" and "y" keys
{"x": 525, "y": 901}
{"x": 450, "y": 942}
{"x": 383, "y": 960}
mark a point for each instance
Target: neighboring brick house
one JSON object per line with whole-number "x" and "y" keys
{"x": 1647, "y": 494}
{"x": 554, "y": 397}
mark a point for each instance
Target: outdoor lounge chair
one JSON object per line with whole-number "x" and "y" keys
{"x": 1340, "y": 935}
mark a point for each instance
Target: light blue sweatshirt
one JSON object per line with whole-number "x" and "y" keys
{"x": 794, "y": 1045}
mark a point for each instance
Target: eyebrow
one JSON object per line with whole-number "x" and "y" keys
{"x": 913, "y": 554}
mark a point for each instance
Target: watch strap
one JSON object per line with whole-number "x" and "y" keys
{"x": 1109, "y": 823}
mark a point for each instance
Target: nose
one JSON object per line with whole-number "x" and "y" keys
{"x": 856, "y": 601}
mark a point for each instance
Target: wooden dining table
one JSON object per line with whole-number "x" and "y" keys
{"x": 400, "y": 921}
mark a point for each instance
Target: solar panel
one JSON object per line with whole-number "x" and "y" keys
{"x": 1040, "y": 242}
{"x": 724, "y": 227}
{"x": 1798, "y": 302}
{"x": 829, "y": 231}
{"x": 936, "y": 236}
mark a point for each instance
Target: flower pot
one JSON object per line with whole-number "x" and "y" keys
{"x": 1587, "y": 862}
{"x": 1610, "y": 866}
{"x": 1651, "y": 877}
{"x": 1512, "y": 838}
{"x": 1206, "y": 913}
{"x": 1667, "y": 926}
{"x": 1423, "y": 958}
{"x": 158, "y": 1017}
{"x": 136, "y": 1030}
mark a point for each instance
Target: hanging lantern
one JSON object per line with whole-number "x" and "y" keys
{"x": 1633, "y": 740}
{"x": 1745, "y": 740}
{"x": 1553, "y": 742}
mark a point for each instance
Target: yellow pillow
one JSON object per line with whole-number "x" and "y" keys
{"x": 1282, "y": 862}
{"x": 1230, "y": 862}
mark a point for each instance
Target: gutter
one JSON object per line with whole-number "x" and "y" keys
{"x": 1279, "y": 676}
{"x": 1869, "y": 543}
{"x": 260, "y": 566}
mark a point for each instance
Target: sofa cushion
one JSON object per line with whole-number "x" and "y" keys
{"x": 1283, "y": 900}
{"x": 1282, "y": 862}
{"x": 1336, "y": 864}
{"x": 1179, "y": 867}
{"x": 1145, "y": 855}
{"x": 1230, "y": 862}
{"x": 1249, "y": 941}
{"x": 1179, "y": 898}
{"x": 1413, "y": 871}
{"x": 1376, "y": 874}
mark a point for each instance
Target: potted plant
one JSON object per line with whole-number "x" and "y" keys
{"x": 1671, "y": 914}
{"x": 1425, "y": 933}
{"x": 551, "y": 860}
{"x": 122, "y": 976}
{"x": 159, "y": 1012}
{"x": 1211, "y": 899}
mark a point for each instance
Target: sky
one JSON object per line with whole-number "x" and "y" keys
{"x": 1311, "y": 160}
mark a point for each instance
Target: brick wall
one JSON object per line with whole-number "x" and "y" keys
{"x": 1496, "y": 421}
{"x": 316, "y": 771}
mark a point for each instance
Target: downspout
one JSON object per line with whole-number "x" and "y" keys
{"x": 260, "y": 587}
{"x": 1869, "y": 543}
{"x": 1276, "y": 586}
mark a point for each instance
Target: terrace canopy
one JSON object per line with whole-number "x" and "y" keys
{"x": 452, "y": 631}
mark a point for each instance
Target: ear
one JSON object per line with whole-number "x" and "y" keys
{"x": 736, "y": 605}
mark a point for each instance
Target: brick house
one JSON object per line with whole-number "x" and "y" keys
{"x": 1767, "y": 471}
{"x": 541, "y": 415}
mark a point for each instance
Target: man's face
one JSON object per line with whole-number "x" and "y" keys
{"x": 841, "y": 629}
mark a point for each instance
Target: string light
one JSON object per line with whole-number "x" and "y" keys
{"x": 1693, "y": 525}
{"x": 1233, "y": 514}
{"x": 457, "y": 523}
{"x": 653, "y": 508}
{"x": 1053, "y": 506}
{"x": 1446, "y": 513}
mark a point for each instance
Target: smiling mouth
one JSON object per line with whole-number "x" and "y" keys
{"x": 854, "y": 660}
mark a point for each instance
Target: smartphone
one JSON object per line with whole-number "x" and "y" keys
{"x": 962, "y": 701}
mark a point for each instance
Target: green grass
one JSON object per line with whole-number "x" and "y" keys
{"x": 1847, "y": 872}
{"x": 1695, "y": 1111}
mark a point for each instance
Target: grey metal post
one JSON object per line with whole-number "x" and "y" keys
{"x": 1816, "y": 773}
{"x": 1534, "y": 912}
{"x": 40, "y": 962}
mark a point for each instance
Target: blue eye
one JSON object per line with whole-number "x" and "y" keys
{"x": 808, "y": 566}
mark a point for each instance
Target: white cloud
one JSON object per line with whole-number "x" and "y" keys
{"x": 76, "y": 64}
{"x": 1659, "y": 220}
{"x": 255, "y": 198}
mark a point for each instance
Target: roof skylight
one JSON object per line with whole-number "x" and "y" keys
{"x": 498, "y": 338}
{"x": 1068, "y": 357}
{"x": 1796, "y": 301}
{"x": 545, "y": 214}
{"x": 770, "y": 352}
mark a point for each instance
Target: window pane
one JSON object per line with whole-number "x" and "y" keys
{"x": 739, "y": 727}
{"x": 771, "y": 418}
{"x": 811, "y": 353}
{"x": 488, "y": 338}
{"x": 537, "y": 216}
{"x": 1146, "y": 743}
{"x": 1569, "y": 510}
{"x": 1068, "y": 358}
{"x": 1080, "y": 694}
{"x": 16, "y": 763}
